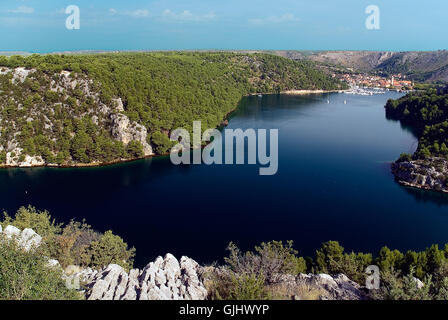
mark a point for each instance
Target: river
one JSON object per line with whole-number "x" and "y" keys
{"x": 333, "y": 183}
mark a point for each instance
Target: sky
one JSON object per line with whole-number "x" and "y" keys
{"x": 40, "y": 25}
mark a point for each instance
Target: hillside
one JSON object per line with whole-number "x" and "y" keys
{"x": 66, "y": 110}
{"x": 422, "y": 66}
{"x": 427, "y": 113}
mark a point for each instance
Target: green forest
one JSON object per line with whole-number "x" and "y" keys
{"x": 66, "y": 120}
{"x": 426, "y": 112}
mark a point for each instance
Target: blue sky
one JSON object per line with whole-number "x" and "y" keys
{"x": 39, "y": 25}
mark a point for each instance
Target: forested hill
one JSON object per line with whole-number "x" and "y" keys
{"x": 75, "y": 109}
{"x": 427, "y": 112}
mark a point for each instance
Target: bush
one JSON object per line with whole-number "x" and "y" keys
{"x": 227, "y": 285}
{"x": 135, "y": 149}
{"x": 394, "y": 287}
{"x": 26, "y": 276}
{"x": 247, "y": 287}
{"x": 271, "y": 260}
{"x": 162, "y": 142}
{"x": 332, "y": 259}
{"x": 405, "y": 157}
{"x": 110, "y": 249}
{"x": 75, "y": 243}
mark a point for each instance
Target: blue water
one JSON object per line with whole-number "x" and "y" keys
{"x": 333, "y": 183}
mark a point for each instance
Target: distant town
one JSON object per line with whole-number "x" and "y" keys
{"x": 395, "y": 82}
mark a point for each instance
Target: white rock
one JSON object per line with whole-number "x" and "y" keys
{"x": 126, "y": 131}
{"x": 163, "y": 279}
{"x": 418, "y": 283}
{"x": 11, "y": 231}
{"x": 29, "y": 239}
{"x": 52, "y": 263}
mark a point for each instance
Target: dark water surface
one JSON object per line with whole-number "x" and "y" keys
{"x": 333, "y": 183}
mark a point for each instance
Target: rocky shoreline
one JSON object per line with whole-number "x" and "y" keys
{"x": 171, "y": 279}
{"x": 428, "y": 174}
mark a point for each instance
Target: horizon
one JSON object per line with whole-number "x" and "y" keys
{"x": 99, "y": 51}
{"x": 40, "y": 26}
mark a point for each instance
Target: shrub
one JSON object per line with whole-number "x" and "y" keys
{"x": 26, "y": 276}
{"x": 332, "y": 259}
{"x": 272, "y": 260}
{"x": 405, "y": 157}
{"x": 394, "y": 287}
{"x": 110, "y": 249}
{"x": 227, "y": 285}
{"x": 135, "y": 149}
{"x": 247, "y": 287}
{"x": 75, "y": 243}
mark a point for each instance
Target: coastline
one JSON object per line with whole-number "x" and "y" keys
{"x": 220, "y": 126}
{"x": 424, "y": 174}
{"x": 305, "y": 92}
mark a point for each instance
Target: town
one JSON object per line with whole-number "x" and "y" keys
{"x": 395, "y": 82}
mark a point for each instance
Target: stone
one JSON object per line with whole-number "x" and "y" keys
{"x": 126, "y": 131}
{"x": 52, "y": 263}
{"x": 11, "y": 231}
{"x": 418, "y": 283}
{"x": 29, "y": 239}
{"x": 339, "y": 287}
{"x": 427, "y": 173}
{"x": 72, "y": 269}
{"x": 164, "y": 279}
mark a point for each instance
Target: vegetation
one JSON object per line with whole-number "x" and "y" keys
{"x": 427, "y": 113}
{"x": 65, "y": 117}
{"x": 26, "y": 276}
{"x": 75, "y": 243}
{"x": 259, "y": 274}
{"x": 253, "y": 275}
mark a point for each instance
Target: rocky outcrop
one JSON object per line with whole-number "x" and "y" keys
{"x": 339, "y": 287}
{"x": 26, "y": 239}
{"x": 171, "y": 279}
{"x": 431, "y": 173}
{"x": 318, "y": 287}
{"x": 126, "y": 131}
{"x": 164, "y": 279}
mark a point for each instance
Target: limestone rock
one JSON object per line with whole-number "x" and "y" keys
{"x": 428, "y": 173}
{"x": 11, "y": 231}
{"x": 126, "y": 131}
{"x": 418, "y": 283}
{"x": 339, "y": 287}
{"x": 27, "y": 239}
{"x": 164, "y": 279}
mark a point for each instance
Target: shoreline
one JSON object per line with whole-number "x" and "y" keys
{"x": 120, "y": 161}
{"x": 305, "y": 92}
